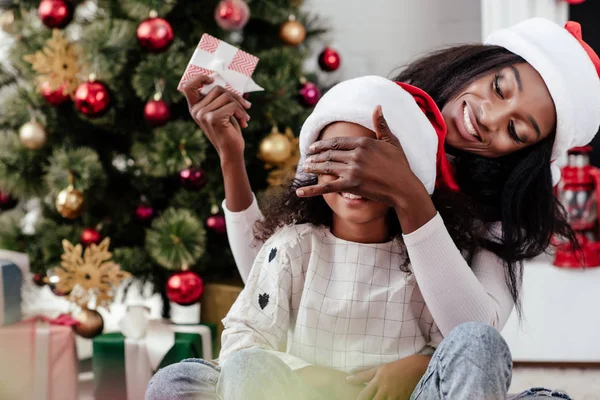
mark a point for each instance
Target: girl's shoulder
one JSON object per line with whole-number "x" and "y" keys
{"x": 295, "y": 237}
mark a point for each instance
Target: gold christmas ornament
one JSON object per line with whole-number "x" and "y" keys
{"x": 292, "y": 32}
{"x": 285, "y": 171}
{"x": 33, "y": 135}
{"x": 69, "y": 202}
{"x": 57, "y": 63}
{"x": 275, "y": 148}
{"x": 7, "y": 20}
{"x": 91, "y": 323}
{"x": 91, "y": 276}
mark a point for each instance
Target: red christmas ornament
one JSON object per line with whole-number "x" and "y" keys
{"x": 155, "y": 34}
{"x": 55, "y": 13}
{"x": 216, "y": 223}
{"x": 185, "y": 288}
{"x": 54, "y": 97}
{"x": 89, "y": 236}
{"x": 574, "y": 1}
{"x": 329, "y": 60}
{"x": 192, "y": 178}
{"x": 232, "y": 15}
{"x": 157, "y": 112}
{"x": 310, "y": 94}
{"x": 7, "y": 201}
{"x": 144, "y": 212}
{"x": 38, "y": 279}
{"x": 92, "y": 98}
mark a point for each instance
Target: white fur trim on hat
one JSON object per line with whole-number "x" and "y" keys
{"x": 355, "y": 101}
{"x": 568, "y": 72}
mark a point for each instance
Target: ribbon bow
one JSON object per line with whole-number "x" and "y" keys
{"x": 230, "y": 67}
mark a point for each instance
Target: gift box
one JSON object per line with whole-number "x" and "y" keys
{"x": 229, "y": 66}
{"x": 14, "y": 267}
{"x": 124, "y": 362}
{"x": 216, "y": 303}
{"x": 38, "y": 361}
{"x": 11, "y": 279}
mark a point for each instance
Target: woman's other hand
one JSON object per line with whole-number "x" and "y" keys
{"x": 221, "y": 115}
{"x": 373, "y": 168}
{"x": 394, "y": 381}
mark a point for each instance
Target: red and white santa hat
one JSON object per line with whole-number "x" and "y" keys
{"x": 570, "y": 69}
{"x": 355, "y": 101}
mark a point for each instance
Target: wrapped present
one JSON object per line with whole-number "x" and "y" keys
{"x": 14, "y": 267}
{"x": 38, "y": 361}
{"x": 124, "y": 362}
{"x": 216, "y": 303}
{"x": 230, "y": 67}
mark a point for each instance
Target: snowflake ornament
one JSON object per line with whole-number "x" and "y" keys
{"x": 57, "y": 64}
{"x": 88, "y": 277}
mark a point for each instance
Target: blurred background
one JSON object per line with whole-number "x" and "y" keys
{"x": 98, "y": 154}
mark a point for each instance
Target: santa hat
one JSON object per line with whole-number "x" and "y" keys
{"x": 410, "y": 113}
{"x": 570, "y": 69}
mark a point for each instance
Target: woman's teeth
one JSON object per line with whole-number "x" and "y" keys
{"x": 468, "y": 124}
{"x": 350, "y": 196}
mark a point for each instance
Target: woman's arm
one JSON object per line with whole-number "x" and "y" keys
{"x": 221, "y": 115}
{"x": 454, "y": 292}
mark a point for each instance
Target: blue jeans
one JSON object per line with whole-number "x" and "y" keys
{"x": 472, "y": 362}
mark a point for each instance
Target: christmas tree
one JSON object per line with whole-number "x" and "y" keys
{"x": 96, "y": 141}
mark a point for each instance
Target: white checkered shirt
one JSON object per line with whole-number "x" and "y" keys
{"x": 315, "y": 299}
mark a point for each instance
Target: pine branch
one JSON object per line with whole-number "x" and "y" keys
{"x": 82, "y": 162}
{"x": 177, "y": 238}
{"x": 163, "y": 156}
{"x": 273, "y": 11}
{"x": 105, "y": 47}
{"x": 140, "y": 9}
{"x": 11, "y": 236}
{"x": 167, "y": 66}
{"x": 21, "y": 170}
{"x": 45, "y": 248}
{"x": 7, "y": 76}
{"x": 134, "y": 260}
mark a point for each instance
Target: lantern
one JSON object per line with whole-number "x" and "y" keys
{"x": 579, "y": 191}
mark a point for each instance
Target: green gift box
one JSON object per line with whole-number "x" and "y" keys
{"x": 122, "y": 367}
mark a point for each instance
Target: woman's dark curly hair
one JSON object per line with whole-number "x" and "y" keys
{"x": 515, "y": 190}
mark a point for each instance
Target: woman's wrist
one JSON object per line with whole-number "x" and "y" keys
{"x": 232, "y": 162}
{"x": 413, "y": 207}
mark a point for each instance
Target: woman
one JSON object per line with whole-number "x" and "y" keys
{"x": 510, "y": 107}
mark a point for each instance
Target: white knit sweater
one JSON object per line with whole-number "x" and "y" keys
{"x": 454, "y": 291}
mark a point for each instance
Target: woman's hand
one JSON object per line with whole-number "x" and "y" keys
{"x": 394, "y": 381}
{"x": 220, "y": 114}
{"x": 375, "y": 169}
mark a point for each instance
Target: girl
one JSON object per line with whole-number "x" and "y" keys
{"x": 530, "y": 93}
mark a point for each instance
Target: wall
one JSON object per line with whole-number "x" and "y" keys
{"x": 377, "y": 36}
{"x": 498, "y": 14}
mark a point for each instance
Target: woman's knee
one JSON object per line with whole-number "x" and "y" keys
{"x": 478, "y": 342}
{"x": 479, "y": 338}
{"x": 184, "y": 380}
